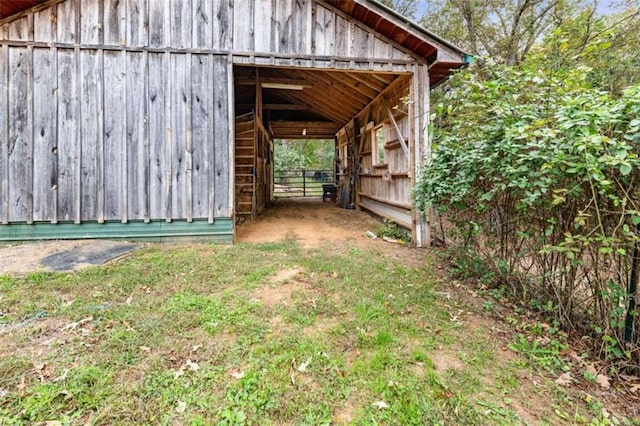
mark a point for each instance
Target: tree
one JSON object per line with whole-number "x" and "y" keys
{"x": 408, "y": 8}
{"x": 504, "y": 30}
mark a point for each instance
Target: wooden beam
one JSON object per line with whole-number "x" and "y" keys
{"x": 278, "y": 107}
{"x": 403, "y": 143}
{"x": 252, "y": 81}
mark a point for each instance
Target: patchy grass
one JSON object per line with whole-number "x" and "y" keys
{"x": 264, "y": 334}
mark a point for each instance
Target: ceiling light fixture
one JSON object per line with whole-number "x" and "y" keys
{"x": 304, "y": 132}
{"x": 283, "y": 86}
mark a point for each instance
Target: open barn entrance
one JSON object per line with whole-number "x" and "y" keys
{"x": 278, "y": 106}
{"x": 304, "y": 168}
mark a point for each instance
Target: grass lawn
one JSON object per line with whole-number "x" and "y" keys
{"x": 261, "y": 334}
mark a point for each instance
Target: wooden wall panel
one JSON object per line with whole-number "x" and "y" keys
{"x": 137, "y": 146}
{"x": 20, "y": 140}
{"x": 222, "y": 24}
{"x": 324, "y": 32}
{"x": 115, "y": 114}
{"x": 222, "y": 182}
{"x": 91, "y": 22}
{"x": 180, "y": 94}
{"x": 44, "y": 25}
{"x": 158, "y": 129}
{"x": 203, "y": 132}
{"x": 302, "y": 27}
{"x": 263, "y": 26}
{"x": 4, "y": 133}
{"x": 20, "y": 29}
{"x": 203, "y": 24}
{"x": 181, "y": 23}
{"x": 137, "y": 22}
{"x": 45, "y": 135}
{"x": 66, "y": 21}
{"x": 283, "y": 27}
{"x": 68, "y": 119}
{"x": 114, "y": 21}
{"x": 91, "y": 133}
{"x": 243, "y": 30}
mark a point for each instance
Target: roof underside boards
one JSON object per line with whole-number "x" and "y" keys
{"x": 11, "y": 7}
{"x": 327, "y": 101}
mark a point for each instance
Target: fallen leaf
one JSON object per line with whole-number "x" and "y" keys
{"x": 303, "y": 367}
{"x": 145, "y": 349}
{"x": 193, "y": 366}
{"x": 380, "y": 405}
{"x": 52, "y": 423}
{"x": 591, "y": 369}
{"x": 76, "y": 324}
{"x": 129, "y": 300}
{"x": 603, "y": 381}
{"x": 630, "y": 378}
{"x": 181, "y": 407}
{"x": 334, "y": 274}
{"x": 178, "y": 373}
{"x": 195, "y": 348}
{"x": 635, "y": 388}
{"x": 564, "y": 379}
{"x": 237, "y": 374}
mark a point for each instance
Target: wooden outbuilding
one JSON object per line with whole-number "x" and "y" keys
{"x": 156, "y": 118}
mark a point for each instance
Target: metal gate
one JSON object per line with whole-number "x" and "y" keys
{"x": 302, "y": 182}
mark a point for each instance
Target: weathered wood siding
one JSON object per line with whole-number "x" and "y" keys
{"x": 121, "y": 110}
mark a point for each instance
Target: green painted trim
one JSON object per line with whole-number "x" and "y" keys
{"x": 221, "y": 230}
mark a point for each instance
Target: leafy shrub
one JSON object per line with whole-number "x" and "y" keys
{"x": 539, "y": 175}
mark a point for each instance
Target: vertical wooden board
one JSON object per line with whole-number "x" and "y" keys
{"x": 202, "y": 99}
{"x": 158, "y": 14}
{"x": 67, "y": 121}
{"x": 114, "y": 22}
{"x": 157, "y": 135}
{"x": 137, "y": 23}
{"x": 180, "y": 98}
{"x": 222, "y": 24}
{"x": 343, "y": 37}
{"x": 361, "y": 43}
{"x": 302, "y": 26}
{"x": 243, "y": 26}
{"x": 203, "y": 24}
{"x": 66, "y": 21}
{"x": 114, "y": 129}
{"x": 324, "y": 31}
{"x": 263, "y": 25}
{"x": 381, "y": 49}
{"x": 284, "y": 26}
{"x": 137, "y": 148}
{"x": 221, "y": 136}
{"x": 90, "y": 22}
{"x": 44, "y": 29}
{"x": 4, "y": 134}
{"x": 19, "y": 29}
{"x": 181, "y": 23}
{"x": 91, "y": 105}
{"x": 20, "y": 141}
{"x": 44, "y": 117}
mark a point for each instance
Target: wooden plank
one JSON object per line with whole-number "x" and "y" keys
{"x": 284, "y": 27}
{"x": 342, "y": 38}
{"x": 91, "y": 22}
{"x": 263, "y": 26}
{"x": 181, "y": 23}
{"x": 137, "y": 155}
{"x": 397, "y": 130}
{"x": 20, "y": 140}
{"x": 78, "y": 146}
{"x": 137, "y": 22}
{"x": 243, "y": 29}
{"x": 202, "y": 24}
{"x": 302, "y": 26}
{"x": 91, "y": 104}
{"x": 222, "y": 24}
{"x": 20, "y": 29}
{"x": 114, "y": 22}
{"x": 4, "y": 133}
{"x": 66, "y": 19}
{"x": 202, "y": 133}
{"x": 100, "y": 139}
{"x": 44, "y": 115}
{"x": 157, "y": 135}
{"x": 180, "y": 102}
{"x": 325, "y": 31}
{"x": 223, "y": 135}
{"x": 67, "y": 119}
{"x": 188, "y": 164}
{"x": 44, "y": 27}
{"x": 168, "y": 90}
{"x": 158, "y": 19}
{"x": 114, "y": 134}
{"x": 360, "y": 47}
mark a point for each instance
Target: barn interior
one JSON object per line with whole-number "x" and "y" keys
{"x": 285, "y": 103}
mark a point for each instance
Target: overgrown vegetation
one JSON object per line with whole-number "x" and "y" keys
{"x": 265, "y": 334}
{"x": 536, "y": 166}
